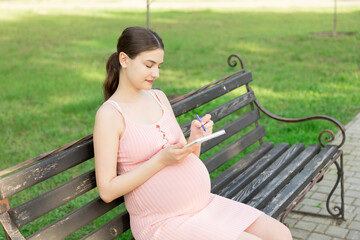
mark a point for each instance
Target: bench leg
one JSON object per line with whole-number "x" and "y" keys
{"x": 340, "y": 178}
{"x": 339, "y": 211}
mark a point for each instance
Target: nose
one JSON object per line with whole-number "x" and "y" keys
{"x": 155, "y": 72}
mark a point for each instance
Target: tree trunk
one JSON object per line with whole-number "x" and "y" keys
{"x": 148, "y": 14}
{"x": 335, "y": 19}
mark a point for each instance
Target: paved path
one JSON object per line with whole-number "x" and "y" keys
{"x": 318, "y": 228}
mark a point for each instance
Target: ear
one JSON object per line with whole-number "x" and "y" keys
{"x": 123, "y": 59}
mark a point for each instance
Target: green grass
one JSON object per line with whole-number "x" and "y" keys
{"x": 52, "y": 66}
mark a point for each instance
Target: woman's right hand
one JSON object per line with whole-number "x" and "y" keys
{"x": 174, "y": 154}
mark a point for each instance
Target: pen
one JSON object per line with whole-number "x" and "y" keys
{"x": 198, "y": 118}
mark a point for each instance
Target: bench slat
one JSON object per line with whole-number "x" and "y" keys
{"x": 244, "y": 178}
{"x": 45, "y": 169}
{"x": 224, "y": 110}
{"x": 274, "y": 186}
{"x": 37, "y": 207}
{"x": 234, "y": 148}
{"x": 299, "y": 182}
{"x": 207, "y": 95}
{"x": 231, "y": 129}
{"x": 76, "y": 219}
{"x": 111, "y": 229}
{"x": 253, "y": 188}
{"x": 240, "y": 166}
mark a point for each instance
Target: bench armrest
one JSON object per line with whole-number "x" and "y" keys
{"x": 328, "y": 138}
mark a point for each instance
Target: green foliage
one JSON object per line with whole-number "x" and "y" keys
{"x": 52, "y": 66}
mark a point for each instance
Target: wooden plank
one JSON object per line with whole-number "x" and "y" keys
{"x": 9, "y": 227}
{"x": 234, "y": 148}
{"x": 37, "y": 207}
{"x": 274, "y": 186}
{"x": 240, "y": 166}
{"x": 38, "y": 172}
{"x": 207, "y": 95}
{"x": 244, "y": 178}
{"x": 275, "y": 168}
{"x": 111, "y": 229}
{"x": 75, "y": 220}
{"x": 231, "y": 129}
{"x": 299, "y": 182}
{"x": 224, "y": 110}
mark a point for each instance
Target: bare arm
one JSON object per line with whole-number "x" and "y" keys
{"x": 108, "y": 129}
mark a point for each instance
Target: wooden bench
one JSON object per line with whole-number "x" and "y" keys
{"x": 243, "y": 167}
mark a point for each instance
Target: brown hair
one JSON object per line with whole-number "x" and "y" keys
{"x": 133, "y": 41}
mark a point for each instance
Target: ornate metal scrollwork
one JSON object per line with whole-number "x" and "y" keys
{"x": 233, "y": 62}
{"x": 328, "y": 138}
{"x": 337, "y": 212}
{"x": 296, "y": 120}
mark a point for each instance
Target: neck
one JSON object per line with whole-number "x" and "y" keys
{"x": 126, "y": 91}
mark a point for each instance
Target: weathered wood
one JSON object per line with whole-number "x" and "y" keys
{"x": 207, "y": 95}
{"x": 111, "y": 229}
{"x": 299, "y": 182}
{"x": 240, "y": 166}
{"x": 9, "y": 227}
{"x": 39, "y": 206}
{"x": 224, "y": 110}
{"x": 231, "y": 129}
{"x": 275, "y": 185}
{"x": 234, "y": 148}
{"x": 241, "y": 180}
{"x": 260, "y": 181}
{"x": 45, "y": 169}
{"x": 76, "y": 219}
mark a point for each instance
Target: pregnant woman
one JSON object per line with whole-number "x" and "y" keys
{"x": 140, "y": 154}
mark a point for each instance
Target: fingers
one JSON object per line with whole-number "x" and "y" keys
{"x": 205, "y": 120}
{"x": 209, "y": 125}
{"x": 178, "y": 145}
{"x": 193, "y": 147}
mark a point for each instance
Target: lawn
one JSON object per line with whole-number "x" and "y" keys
{"x": 52, "y": 66}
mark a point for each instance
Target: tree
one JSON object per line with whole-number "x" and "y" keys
{"x": 335, "y": 18}
{"x": 148, "y": 2}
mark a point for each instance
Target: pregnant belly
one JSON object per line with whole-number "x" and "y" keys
{"x": 180, "y": 188}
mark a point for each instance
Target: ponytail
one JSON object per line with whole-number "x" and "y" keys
{"x": 112, "y": 77}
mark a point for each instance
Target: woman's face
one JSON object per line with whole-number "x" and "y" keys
{"x": 144, "y": 69}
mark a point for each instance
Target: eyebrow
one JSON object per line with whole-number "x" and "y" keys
{"x": 152, "y": 61}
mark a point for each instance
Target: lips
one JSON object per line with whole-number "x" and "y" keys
{"x": 150, "y": 81}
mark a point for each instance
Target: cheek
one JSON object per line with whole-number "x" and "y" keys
{"x": 136, "y": 71}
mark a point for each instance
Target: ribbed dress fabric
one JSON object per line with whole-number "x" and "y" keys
{"x": 176, "y": 203}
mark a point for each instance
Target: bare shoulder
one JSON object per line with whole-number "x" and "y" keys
{"x": 107, "y": 116}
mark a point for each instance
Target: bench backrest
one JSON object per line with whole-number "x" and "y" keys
{"x": 55, "y": 213}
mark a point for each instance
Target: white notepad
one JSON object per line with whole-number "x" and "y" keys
{"x": 206, "y": 138}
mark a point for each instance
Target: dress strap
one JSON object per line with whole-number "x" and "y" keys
{"x": 156, "y": 98}
{"x": 116, "y": 105}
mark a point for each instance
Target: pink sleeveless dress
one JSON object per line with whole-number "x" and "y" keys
{"x": 175, "y": 203}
